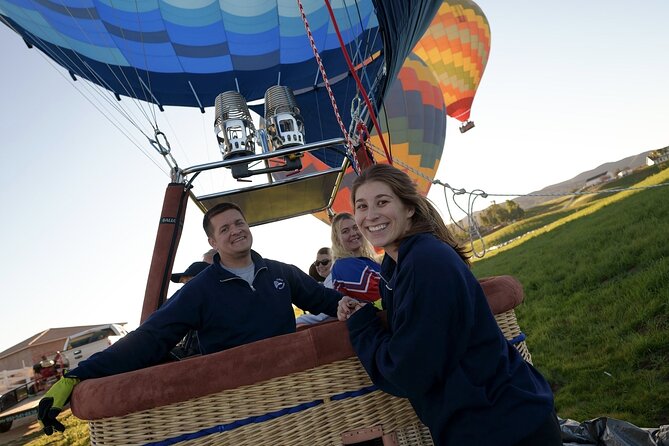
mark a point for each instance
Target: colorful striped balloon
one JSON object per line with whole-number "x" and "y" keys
{"x": 414, "y": 116}
{"x": 456, "y": 46}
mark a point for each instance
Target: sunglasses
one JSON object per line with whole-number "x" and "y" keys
{"x": 322, "y": 262}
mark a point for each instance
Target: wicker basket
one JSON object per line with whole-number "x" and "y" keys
{"x": 509, "y": 325}
{"x": 306, "y": 388}
{"x": 319, "y": 406}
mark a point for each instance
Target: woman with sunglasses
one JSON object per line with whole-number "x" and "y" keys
{"x": 320, "y": 269}
{"x": 441, "y": 348}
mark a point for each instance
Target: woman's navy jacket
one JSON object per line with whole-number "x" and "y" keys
{"x": 444, "y": 351}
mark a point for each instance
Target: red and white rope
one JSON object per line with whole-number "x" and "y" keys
{"x": 321, "y": 68}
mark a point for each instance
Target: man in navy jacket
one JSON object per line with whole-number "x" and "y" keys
{"x": 239, "y": 299}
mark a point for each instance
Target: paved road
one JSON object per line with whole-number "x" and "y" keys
{"x": 22, "y": 431}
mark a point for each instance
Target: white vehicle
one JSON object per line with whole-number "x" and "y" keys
{"x": 82, "y": 345}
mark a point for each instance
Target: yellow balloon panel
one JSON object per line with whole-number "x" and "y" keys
{"x": 456, "y": 47}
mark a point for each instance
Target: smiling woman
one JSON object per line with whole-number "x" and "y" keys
{"x": 323, "y": 264}
{"x": 355, "y": 272}
{"x": 473, "y": 384}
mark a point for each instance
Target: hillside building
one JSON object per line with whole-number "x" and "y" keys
{"x": 624, "y": 172}
{"x": 597, "y": 179}
{"x": 658, "y": 156}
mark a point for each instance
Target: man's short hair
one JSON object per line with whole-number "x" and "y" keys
{"x": 218, "y": 209}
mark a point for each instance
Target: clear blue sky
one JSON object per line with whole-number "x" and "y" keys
{"x": 569, "y": 85}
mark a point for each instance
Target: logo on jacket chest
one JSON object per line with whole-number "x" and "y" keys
{"x": 279, "y": 283}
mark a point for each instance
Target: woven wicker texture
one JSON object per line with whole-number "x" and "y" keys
{"x": 509, "y": 324}
{"x": 322, "y": 424}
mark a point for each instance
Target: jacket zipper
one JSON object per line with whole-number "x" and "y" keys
{"x": 249, "y": 284}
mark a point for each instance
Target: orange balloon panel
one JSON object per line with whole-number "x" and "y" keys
{"x": 456, "y": 46}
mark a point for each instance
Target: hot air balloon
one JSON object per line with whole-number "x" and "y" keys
{"x": 456, "y": 46}
{"x": 414, "y": 122}
{"x": 184, "y": 54}
{"x": 178, "y": 53}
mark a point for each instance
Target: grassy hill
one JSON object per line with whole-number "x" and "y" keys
{"x": 596, "y": 278}
{"x": 576, "y": 183}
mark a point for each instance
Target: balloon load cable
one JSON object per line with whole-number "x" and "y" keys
{"x": 349, "y": 144}
{"x": 372, "y": 115}
{"x": 321, "y": 68}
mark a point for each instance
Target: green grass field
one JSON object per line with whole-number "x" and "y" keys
{"x": 596, "y": 277}
{"x": 597, "y": 304}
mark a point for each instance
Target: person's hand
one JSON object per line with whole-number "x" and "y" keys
{"x": 347, "y": 306}
{"x": 52, "y": 403}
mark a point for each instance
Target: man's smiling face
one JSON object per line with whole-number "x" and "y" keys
{"x": 231, "y": 236}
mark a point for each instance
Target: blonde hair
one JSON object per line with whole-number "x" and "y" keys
{"x": 338, "y": 250}
{"x": 426, "y": 218}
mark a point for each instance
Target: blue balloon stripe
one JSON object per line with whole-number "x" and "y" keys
{"x": 147, "y": 21}
{"x": 202, "y": 51}
{"x": 253, "y": 63}
{"x": 251, "y": 25}
{"x": 293, "y": 50}
{"x": 77, "y": 13}
{"x": 160, "y": 59}
{"x": 59, "y": 24}
{"x": 222, "y": 64}
{"x": 291, "y": 26}
{"x": 250, "y": 8}
{"x": 131, "y": 5}
{"x": 203, "y": 35}
{"x": 263, "y": 43}
{"x": 192, "y": 18}
{"x": 68, "y": 31}
{"x": 137, "y": 36}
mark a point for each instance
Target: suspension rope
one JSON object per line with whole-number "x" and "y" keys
{"x": 129, "y": 90}
{"x": 92, "y": 88}
{"x": 351, "y": 68}
{"x": 88, "y": 96}
{"x": 321, "y": 68}
{"x": 473, "y": 229}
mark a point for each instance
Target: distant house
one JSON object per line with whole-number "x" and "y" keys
{"x": 658, "y": 156}
{"x": 597, "y": 179}
{"x": 30, "y": 351}
{"x": 624, "y": 172}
